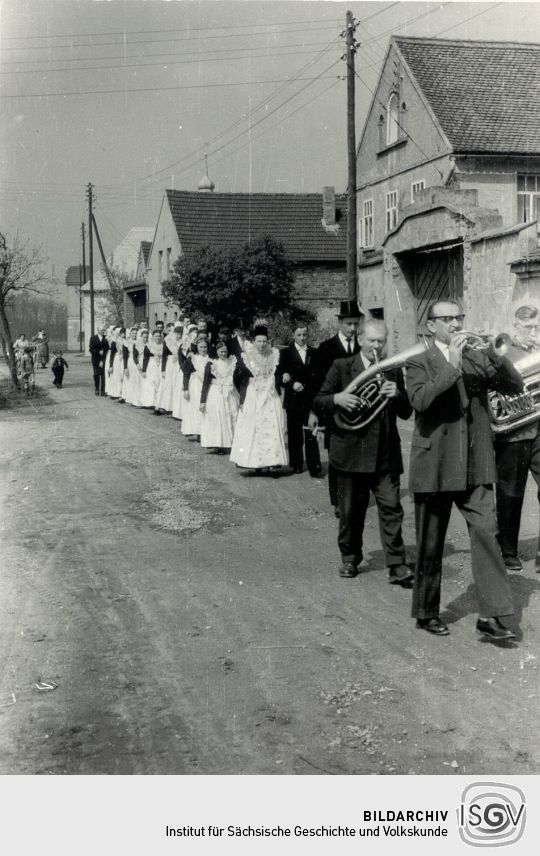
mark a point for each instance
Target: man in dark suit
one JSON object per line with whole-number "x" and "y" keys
{"x": 452, "y": 461}
{"x": 296, "y": 374}
{"x": 98, "y": 347}
{"x": 367, "y": 460}
{"x": 343, "y": 344}
{"x": 517, "y": 452}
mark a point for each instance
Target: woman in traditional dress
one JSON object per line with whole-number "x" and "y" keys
{"x": 151, "y": 369}
{"x": 219, "y": 401}
{"x": 41, "y": 343}
{"x": 170, "y": 370}
{"x": 259, "y": 441}
{"x": 193, "y": 369}
{"x": 132, "y": 378}
{"x": 116, "y": 366}
{"x": 109, "y": 359}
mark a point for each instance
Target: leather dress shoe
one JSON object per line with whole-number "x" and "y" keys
{"x": 493, "y": 629}
{"x": 400, "y": 575}
{"x": 433, "y": 625}
{"x": 96, "y": 392}
{"x": 348, "y": 570}
{"x": 513, "y": 563}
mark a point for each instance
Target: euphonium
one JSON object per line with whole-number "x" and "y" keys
{"x": 476, "y": 341}
{"x": 509, "y": 412}
{"x": 367, "y": 387}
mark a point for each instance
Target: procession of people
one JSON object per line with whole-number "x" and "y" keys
{"x": 264, "y": 407}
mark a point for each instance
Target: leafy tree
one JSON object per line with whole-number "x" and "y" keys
{"x": 231, "y": 286}
{"x": 21, "y": 270}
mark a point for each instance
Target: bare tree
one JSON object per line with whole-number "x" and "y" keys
{"x": 21, "y": 270}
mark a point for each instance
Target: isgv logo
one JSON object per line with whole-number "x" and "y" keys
{"x": 491, "y": 814}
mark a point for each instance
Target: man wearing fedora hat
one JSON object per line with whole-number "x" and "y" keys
{"x": 343, "y": 344}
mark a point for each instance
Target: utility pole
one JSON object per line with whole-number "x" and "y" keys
{"x": 83, "y": 279}
{"x": 91, "y": 256}
{"x": 352, "y": 252}
{"x": 113, "y": 285}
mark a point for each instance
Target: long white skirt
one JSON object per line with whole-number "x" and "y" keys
{"x": 219, "y": 420}
{"x": 177, "y": 393}
{"x": 106, "y": 370}
{"x": 259, "y": 437}
{"x": 191, "y": 415}
{"x": 117, "y": 377}
{"x": 165, "y": 392}
{"x": 132, "y": 385}
{"x": 149, "y": 384}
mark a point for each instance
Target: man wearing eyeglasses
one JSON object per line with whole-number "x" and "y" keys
{"x": 452, "y": 462}
{"x": 518, "y": 452}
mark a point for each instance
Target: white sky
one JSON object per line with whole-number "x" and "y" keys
{"x": 236, "y": 79}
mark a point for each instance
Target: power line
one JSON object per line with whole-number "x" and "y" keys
{"x": 140, "y": 42}
{"x": 125, "y": 33}
{"x": 263, "y": 102}
{"x": 167, "y": 63}
{"x": 126, "y": 91}
{"x": 170, "y": 53}
{"x": 263, "y": 118}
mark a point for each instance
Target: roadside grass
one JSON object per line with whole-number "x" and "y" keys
{"x": 12, "y": 398}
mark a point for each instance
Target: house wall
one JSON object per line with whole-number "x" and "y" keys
{"x": 384, "y": 169}
{"x": 495, "y": 291}
{"x": 165, "y": 236}
{"x": 495, "y": 180}
{"x": 320, "y": 287}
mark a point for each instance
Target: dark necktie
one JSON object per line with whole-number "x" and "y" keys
{"x": 349, "y": 347}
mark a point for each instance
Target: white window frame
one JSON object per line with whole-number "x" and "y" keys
{"x": 366, "y": 224}
{"x": 416, "y": 186}
{"x": 392, "y": 119}
{"x": 391, "y": 210}
{"x": 531, "y": 196}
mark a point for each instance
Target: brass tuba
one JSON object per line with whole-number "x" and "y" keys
{"x": 367, "y": 387}
{"x": 508, "y": 412}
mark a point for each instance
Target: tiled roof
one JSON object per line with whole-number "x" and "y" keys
{"x": 485, "y": 95}
{"x": 146, "y": 246}
{"x": 227, "y": 220}
{"x": 73, "y": 275}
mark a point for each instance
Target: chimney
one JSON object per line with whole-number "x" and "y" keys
{"x": 329, "y": 206}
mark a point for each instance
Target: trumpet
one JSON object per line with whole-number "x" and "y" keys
{"x": 476, "y": 341}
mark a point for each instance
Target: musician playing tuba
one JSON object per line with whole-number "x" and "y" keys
{"x": 452, "y": 462}
{"x": 517, "y": 452}
{"x": 368, "y": 460}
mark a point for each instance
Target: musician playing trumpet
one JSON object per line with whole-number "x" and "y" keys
{"x": 452, "y": 462}
{"x": 367, "y": 461}
{"x": 517, "y": 452}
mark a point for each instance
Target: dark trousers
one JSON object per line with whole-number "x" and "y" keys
{"x": 432, "y": 514}
{"x": 514, "y": 461}
{"x": 353, "y": 500}
{"x": 58, "y": 376}
{"x": 99, "y": 379}
{"x": 297, "y": 438}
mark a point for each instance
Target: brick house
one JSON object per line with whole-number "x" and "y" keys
{"x": 311, "y": 226}
{"x": 449, "y": 183}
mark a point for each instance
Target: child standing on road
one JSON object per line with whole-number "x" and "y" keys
{"x": 58, "y": 366}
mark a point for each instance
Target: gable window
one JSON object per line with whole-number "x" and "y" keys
{"x": 160, "y": 265}
{"x": 366, "y": 224}
{"x": 168, "y": 263}
{"x": 391, "y": 210}
{"x": 392, "y": 119}
{"x": 416, "y": 187}
{"x": 528, "y": 187}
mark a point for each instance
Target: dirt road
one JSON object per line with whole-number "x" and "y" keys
{"x": 192, "y": 621}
